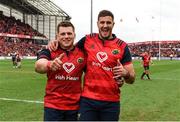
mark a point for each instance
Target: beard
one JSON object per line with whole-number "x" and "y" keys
{"x": 105, "y": 37}
{"x": 105, "y": 33}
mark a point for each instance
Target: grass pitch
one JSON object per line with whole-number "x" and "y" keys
{"x": 22, "y": 92}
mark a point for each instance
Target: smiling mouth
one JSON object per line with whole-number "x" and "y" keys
{"x": 66, "y": 41}
{"x": 105, "y": 32}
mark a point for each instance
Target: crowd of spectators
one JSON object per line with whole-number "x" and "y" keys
{"x": 11, "y": 25}
{"x": 166, "y": 48}
{"x": 8, "y": 45}
{"x": 27, "y": 47}
{"x": 23, "y": 46}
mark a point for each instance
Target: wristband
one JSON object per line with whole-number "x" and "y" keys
{"x": 48, "y": 65}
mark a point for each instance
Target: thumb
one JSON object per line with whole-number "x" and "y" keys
{"x": 118, "y": 63}
{"x": 61, "y": 56}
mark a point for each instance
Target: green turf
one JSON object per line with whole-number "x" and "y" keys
{"x": 155, "y": 100}
{"x": 23, "y": 84}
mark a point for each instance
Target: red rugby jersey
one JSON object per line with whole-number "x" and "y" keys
{"x": 102, "y": 57}
{"x": 146, "y": 59}
{"x": 63, "y": 88}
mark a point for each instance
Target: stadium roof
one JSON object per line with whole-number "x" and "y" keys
{"x": 40, "y": 7}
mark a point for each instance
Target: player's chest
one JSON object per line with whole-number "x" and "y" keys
{"x": 104, "y": 53}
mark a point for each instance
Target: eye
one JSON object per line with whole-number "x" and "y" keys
{"x": 62, "y": 34}
{"x": 69, "y": 33}
{"x": 102, "y": 22}
{"x": 108, "y": 22}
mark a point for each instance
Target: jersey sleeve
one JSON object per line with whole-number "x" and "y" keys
{"x": 80, "y": 43}
{"x": 127, "y": 56}
{"x": 45, "y": 53}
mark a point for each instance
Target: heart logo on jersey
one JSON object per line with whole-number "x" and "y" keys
{"x": 68, "y": 67}
{"x": 101, "y": 56}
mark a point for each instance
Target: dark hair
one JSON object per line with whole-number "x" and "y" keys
{"x": 104, "y": 13}
{"x": 65, "y": 24}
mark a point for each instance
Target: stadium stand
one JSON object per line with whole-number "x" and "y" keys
{"x": 27, "y": 25}
{"x": 157, "y": 48}
{"x": 32, "y": 23}
{"x": 12, "y": 26}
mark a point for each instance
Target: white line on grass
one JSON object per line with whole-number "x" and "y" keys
{"x": 19, "y": 100}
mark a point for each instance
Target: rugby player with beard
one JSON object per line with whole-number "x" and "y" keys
{"x": 109, "y": 65}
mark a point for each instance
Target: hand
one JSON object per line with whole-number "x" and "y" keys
{"x": 120, "y": 81}
{"x": 56, "y": 64}
{"x": 52, "y": 45}
{"x": 119, "y": 70}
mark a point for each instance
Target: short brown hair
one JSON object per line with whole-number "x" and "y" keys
{"x": 65, "y": 24}
{"x": 104, "y": 13}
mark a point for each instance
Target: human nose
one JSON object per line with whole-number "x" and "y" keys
{"x": 105, "y": 24}
{"x": 66, "y": 35}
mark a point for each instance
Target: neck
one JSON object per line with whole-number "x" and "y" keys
{"x": 106, "y": 38}
{"x": 67, "y": 48}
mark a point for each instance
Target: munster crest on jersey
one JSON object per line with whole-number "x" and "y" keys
{"x": 115, "y": 51}
{"x": 80, "y": 60}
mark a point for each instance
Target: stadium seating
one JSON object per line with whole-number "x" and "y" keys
{"x": 26, "y": 47}
{"x": 166, "y": 48}
{"x": 12, "y": 26}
